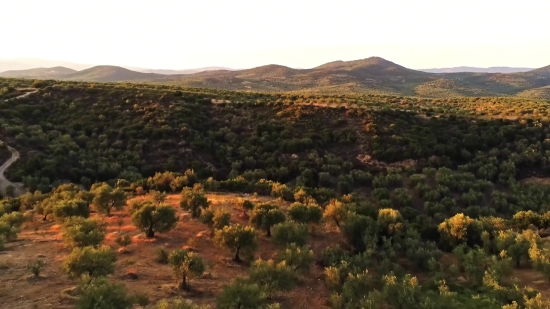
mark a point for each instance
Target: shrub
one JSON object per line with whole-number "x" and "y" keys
{"x": 272, "y": 277}
{"x": 81, "y": 232}
{"x": 240, "y": 294}
{"x": 98, "y": 292}
{"x": 245, "y": 206}
{"x": 298, "y": 258}
{"x": 95, "y": 262}
{"x": 161, "y": 256}
{"x": 36, "y": 267}
{"x": 178, "y": 303}
{"x": 123, "y": 242}
{"x": 290, "y": 232}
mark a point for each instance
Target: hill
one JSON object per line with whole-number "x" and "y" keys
{"x": 107, "y": 73}
{"x": 39, "y": 73}
{"x": 465, "y": 69}
{"x": 372, "y": 75}
{"x": 285, "y": 200}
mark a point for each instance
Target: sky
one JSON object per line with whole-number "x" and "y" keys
{"x": 183, "y": 34}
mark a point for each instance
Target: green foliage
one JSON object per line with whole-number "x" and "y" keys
{"x": 81, "y": 232}
{"x": 161, "y": 256}
{"x": 300, "y": 259}
{"x": 236, "y": 238}
{"x": 107, "y": 198}
{"x": 178, "y": 303}
{"x": 95, "y": 262}
{"x": 123, "y": 241}
{"x": 272, "y": 277}
{"x": 245, "y": 205}
{"x": 186, "y": 265}
{"x": 290, "y": 232}
{"x": 36, "y": 267}
{"x": 152, "y": 218}
{"x": 216, "y": 220}
{"x": 194, "y": 202}
{"x": 240, "y": 294}
{"x": 70, "y": 208}
{"x": 308, "y": 214}
{"x": 266, "y": 215}
{"x": 99, "y": 292}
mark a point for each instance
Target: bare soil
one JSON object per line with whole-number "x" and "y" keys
{"x": 138, "y": 268}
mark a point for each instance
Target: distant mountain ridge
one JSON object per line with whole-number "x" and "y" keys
{"x": 369, "y": 75}
{"x": 465, "y": 69}
{"x": 40, "y": 73}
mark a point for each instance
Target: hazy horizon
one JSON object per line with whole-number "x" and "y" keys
{"x": 302, "y": 34}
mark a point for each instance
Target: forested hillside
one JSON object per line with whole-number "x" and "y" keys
{"x": 353, "y": 201}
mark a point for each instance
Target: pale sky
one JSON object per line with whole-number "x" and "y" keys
{"x": 165, "y": 34}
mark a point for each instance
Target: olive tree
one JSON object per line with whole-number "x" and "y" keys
{"x": 265, "y": 215}
{"x": 106, "y": 198}
{"x": 236, "y": 238}
{"x": 193, "y": 201}
{"x": 186, "y": 265}
{"x": 152, "y": 218}
{"x": 82, "y": 232}
{"x": 95, "y": 262}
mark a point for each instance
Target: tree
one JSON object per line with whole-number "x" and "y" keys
{"x": 81, "y": 232}
{"x": 107, "y": 198}
{"x": 402, "y": 294}
{"x": 13, "y": 219}
{"x": 193, "y": 201}
{"x": 95, "y": 262}
{"x": 298, "y": 258}
{"x": 272, "y": 277}
{"x": 216, "y": 220}
{"x": 152, "y": 218}
{"x": 178, "y": 303}
{"x": 237, "y": 238}
{"x": 336, "y": 212}
{"x": 310, "y": 214}
{"x": 240, "y": 294}
{"x": 454, "y": 230}
{"x": 186, "y": 265}
{"x": 244, "y": 206}
{"x": 98, "y": 292}
{"x": 69, "y": 208}
{"x": 265, "y": 215}
{"x": 290, "y": 232}
{"x": 157, "y": 196}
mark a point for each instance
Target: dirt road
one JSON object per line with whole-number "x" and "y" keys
{"x": 3, "y": 181}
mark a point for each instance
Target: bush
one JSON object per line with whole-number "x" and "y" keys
{"x": 244, "y": 206}
{"x": 36, "y": 267}
{"x": 123, "y": 242}
{"x": 272, "y": 277}
{"x": 98, "y": 292}
{"x": 161, "y": 256}
{"x": 95, "y": 262}
{"x": 178, "y": 303}
{"x": 81, "y": 232}
{"x": 290, "y": 232}
{"x": 298, "y": 258}
{"x": 240, "y": 294}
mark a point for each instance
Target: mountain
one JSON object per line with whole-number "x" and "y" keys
{"x": 40, "y": 73}
{"x": 372, "y": 75}
{"x": 31, "y": 63}
{"x": 464, "y": 69}
{"x": 175, "y": 72}
{"x": 108, "y": 73}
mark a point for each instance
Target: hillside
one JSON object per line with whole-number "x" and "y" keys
{"x": 106, "y": 73}
{"x": 373, "y": 75}
{"x": 159, "y": 193}
{"x": 39, "y": 73}
{"x": 465, "y": 69}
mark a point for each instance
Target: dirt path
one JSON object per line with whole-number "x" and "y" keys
{"x": 4, "y": 183}
{"x": 23, "y": 95}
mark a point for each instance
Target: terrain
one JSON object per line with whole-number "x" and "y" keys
{"x": 390, "y": 201}
{"x": 463, "y": 69}
{"x": 373, "y": 75}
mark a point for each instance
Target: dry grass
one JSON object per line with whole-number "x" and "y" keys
{"x": 138, "y": 269}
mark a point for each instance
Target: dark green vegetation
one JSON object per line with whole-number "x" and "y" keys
{"x": 434, "y": 198}
{"x": 371, "y": 76}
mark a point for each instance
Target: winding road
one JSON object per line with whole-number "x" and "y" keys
{"x": 4, "y": 183}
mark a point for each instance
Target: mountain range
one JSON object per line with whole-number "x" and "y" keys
{"x": 371, "y": 75}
